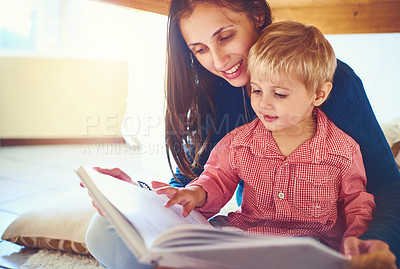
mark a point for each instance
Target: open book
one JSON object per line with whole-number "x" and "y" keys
{"x": 159, "y": 235}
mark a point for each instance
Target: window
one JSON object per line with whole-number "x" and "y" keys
{"x": 375, "y": 59}
{"x": 88, "y": 29}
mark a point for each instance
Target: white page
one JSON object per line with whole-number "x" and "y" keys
{"x": 122, "y": 225}
{"x": 130, "y": 200}
{"x": 299, "y": 253}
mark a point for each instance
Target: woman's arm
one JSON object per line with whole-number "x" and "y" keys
{"x": 348, "y": 107}
{"x": 181, "y": 179}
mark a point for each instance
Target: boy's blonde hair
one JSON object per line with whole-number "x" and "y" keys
{"x": 289, "y": 49}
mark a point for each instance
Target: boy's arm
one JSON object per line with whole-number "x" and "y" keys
{"x": 357, "y": 204}
{"x": 212, "y": 189}
{"x": 219, "y": 179}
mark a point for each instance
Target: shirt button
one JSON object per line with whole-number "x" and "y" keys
{"x": 281, "y": 195}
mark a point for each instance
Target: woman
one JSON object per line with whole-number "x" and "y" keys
{"x": 208, "y": 43}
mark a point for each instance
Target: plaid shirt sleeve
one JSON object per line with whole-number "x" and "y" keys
{"x": 357, "y": 204}
{"x": 219, "y": 180}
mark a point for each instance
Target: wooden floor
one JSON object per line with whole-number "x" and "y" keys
{"x": 31, "y": 176}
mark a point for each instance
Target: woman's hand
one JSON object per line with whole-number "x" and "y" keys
{"x": 189, "y": 198}
{"x": 368, "y": 253}
{"x": 95, "y": 206}
{"x": 115, "y": 172}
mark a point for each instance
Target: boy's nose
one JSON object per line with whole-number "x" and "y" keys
{"x": 265, "y": 102}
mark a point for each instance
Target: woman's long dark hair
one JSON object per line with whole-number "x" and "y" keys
{"x": 188, "y": 82}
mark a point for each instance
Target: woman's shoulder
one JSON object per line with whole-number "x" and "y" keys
{"x": 344, "y": 72}
{"x": 346, "y": 86}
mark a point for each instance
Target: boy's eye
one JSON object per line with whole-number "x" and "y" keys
{"x": 279, "y": 95}
{"x": 256, "y": 91}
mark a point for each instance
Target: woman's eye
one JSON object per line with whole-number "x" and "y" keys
{"x": 199, "y": 51}
{"x": 223, "y": 38}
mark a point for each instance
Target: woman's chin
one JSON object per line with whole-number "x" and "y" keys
{"x": 238, "y": 82}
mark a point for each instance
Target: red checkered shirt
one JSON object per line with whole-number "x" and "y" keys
{"x": 319, "y": 190}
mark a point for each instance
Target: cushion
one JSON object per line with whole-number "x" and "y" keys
{"x": 396, "y": 152}
{"x": 391, "y": 130}
{"x": 59, "y": 225}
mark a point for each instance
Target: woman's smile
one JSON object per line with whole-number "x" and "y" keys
{"x": 235, "y": 71}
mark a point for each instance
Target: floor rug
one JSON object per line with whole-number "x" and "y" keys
{"x": 50, "y": 259}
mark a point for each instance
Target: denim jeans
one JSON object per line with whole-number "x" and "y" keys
{"x": 105, "y": 245}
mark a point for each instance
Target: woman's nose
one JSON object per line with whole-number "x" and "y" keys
{"x": 220, "y": 58}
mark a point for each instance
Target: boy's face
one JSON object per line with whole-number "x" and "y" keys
{"x": 285, "y": 107}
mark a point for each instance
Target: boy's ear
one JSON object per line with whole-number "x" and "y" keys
{"x": 322, "y": 93}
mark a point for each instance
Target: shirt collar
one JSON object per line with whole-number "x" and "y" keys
{"x": 314, "y": 150}
{"x": 261, "y": 143}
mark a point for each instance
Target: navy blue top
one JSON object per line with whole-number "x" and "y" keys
{"x": 348, "y": 107}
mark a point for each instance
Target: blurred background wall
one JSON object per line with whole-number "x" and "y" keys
{"x": 62, "y": 98}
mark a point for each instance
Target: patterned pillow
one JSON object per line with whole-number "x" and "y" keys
{"x": 49, "y": 243}
{"x": 61, "y": 226}
{"x": 391, "y": 129}
{"x": 396, "y": 152}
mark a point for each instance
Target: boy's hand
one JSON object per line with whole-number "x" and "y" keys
{"x": 189, "y": 198}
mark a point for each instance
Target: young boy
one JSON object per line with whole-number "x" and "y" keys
{"x": 302, "y": 175}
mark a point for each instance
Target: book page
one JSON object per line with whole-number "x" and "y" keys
{"x": 118, "y": 220}
{"x": 254, "y": 253}
{"x": 189, "y": 235}
{"x": 144, "y": 209}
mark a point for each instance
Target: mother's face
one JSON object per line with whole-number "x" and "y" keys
{"x": 220, "y": 39}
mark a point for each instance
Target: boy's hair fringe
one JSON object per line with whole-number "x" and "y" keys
{"x": 289, "y": 49}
